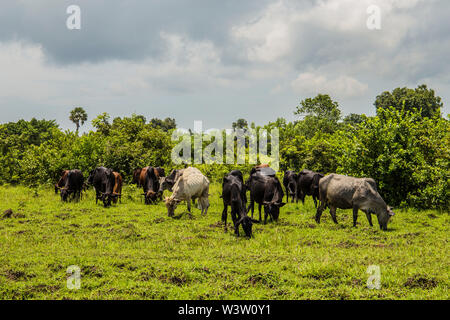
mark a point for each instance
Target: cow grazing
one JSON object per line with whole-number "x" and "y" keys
{"x": 308, "y": 184}
{"x": 103, "y": 180}
{"x": 233, "y": 190}
{"x": 290, "y": 185}
{"x": 266, "y": 191}
{"x": 344, "y": 192}
{"x": 150, "y": 183}
{"x": 190, "y": 184}
{"x": 117, "y": 189}
{"x": 136, "y": 177}
{"x": 62, "y": 180}
{"x": 73, "y": 185}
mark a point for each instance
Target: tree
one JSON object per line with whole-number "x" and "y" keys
{"x": 407, "y": 99}
{"x": 320, "y": 114}
{"x": 240, "y": 124}
{"x": 78, "y": 115}
{"x": 165, "y": 125}
{"x": 101, "y": 123}
{"x": 354, "y": 119}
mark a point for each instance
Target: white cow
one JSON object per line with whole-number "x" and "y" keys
{"x": 190, "y": 184}
{"x": 344, "y": 192}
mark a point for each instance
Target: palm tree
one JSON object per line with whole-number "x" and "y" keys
{"x": 78, "y": 115}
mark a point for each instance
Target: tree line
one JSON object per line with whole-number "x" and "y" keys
{"x": 404, "y": 147}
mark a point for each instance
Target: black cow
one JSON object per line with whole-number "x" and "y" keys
{"x": 265, "y": 190}
{"x": 308, "y": 184}
{"x": 238, "y": 174}
{"x": 103, "y": 181}
{"x": 151, "y": 185}
{"x": 73, "y": 185}
{"x": 233, "y": 190}
{"x": 290, "y": 185}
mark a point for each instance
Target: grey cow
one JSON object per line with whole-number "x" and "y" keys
{"x": 344, "y": 192}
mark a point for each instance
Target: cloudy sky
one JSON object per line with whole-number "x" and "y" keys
{"x": 215, "y": 61}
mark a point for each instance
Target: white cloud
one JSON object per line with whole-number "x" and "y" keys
{"x": 309, "y": 83}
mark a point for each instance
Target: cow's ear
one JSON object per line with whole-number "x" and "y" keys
{"x": 282, "y": 204}
{"x": 266, "y": 203}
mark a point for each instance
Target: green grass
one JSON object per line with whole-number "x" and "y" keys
{"x": 134, "y": 251}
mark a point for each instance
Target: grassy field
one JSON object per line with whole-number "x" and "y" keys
{"x": 134, "y": 251}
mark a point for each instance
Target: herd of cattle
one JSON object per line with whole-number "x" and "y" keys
{"x": 189, "y": 184}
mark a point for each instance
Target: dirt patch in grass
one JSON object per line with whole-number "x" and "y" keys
{"x": 22, "y": 232}
{"x": 268, "y": 279}
{"x": 410, "y": 235}
{"x": 44, "y": 288}
{"x": 178, "y": 280}
{"x": 309, "y": 243}
{"x": 125, "y": 266}
{"x": 63, "y": 216}
{"x": 55, "y": 267}
{"x": 99, "y": 225}
{"x": 325, "y": 272}
{"x": 16, "y": 275}
{"x": 347, "y": 244}
{"x": 158, "y": 220}
{"x": 7, "y": 214}
{"x": 218, "y": 224}
{"x": 421, "y": 281}
{"x": 92, "y": 271}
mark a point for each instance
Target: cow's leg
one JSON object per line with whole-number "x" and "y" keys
{"x": 224, "y": 214}
{"x": 188, "y": 202}
{"x": 355, "y": 215}
{"x": 369, "y": 218}
{"x": 207, "y": 206}
{"x": 259, "y": 209}
{"x": 266, "y": 213}
{"x": 315, "y": 201}
{"x": 333, "y": 214}
{"x": 319, "y": 211}
{"x": 251, "y": 206}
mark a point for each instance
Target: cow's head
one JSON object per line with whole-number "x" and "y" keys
{"x": 150, "y": 196}
{"x": 106, "y": 198}
{"x": 384, "y": 217}
{"x": 247, "y": 225}
{"x": 171, "y": 205}
{"x": 91, "y": 176}
{"x": 273, "y": 208}
{"x": 64, "y": 192}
